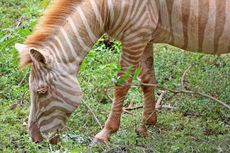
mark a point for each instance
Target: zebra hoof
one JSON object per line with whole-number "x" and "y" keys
{"x": 97, "y": 141}
{"x": 142, "y": 131}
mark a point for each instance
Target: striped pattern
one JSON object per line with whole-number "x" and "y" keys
{"x": 71, "y": 27}
{"x": 195, "y": 25}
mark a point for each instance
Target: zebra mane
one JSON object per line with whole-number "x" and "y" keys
{"x": 55, "y": 16}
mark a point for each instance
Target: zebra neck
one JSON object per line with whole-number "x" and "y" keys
{"x": 77, "y": 36}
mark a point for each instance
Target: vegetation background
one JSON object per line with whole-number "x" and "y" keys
{"x": 197, "y": 124}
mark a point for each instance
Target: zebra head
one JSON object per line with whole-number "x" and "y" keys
{"x": 55, "y": 93}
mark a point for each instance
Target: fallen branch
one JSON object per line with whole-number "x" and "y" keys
{"x": 130, "y": 104}
{"x": 158, "y": 103}
{"x": 201, "y": 94}
{"x": 189, "y": 92}
{"x": 94, "y": 115}
{"x": 168, "y": 106}
{"x": 127, "y": 112}
{"x": 184, "y": 75}
{"x": 139, "y": 107}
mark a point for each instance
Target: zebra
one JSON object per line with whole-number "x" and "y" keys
{"x": 68, "y": 30}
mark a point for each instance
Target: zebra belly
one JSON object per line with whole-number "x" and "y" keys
{"x": 209, "y": 45}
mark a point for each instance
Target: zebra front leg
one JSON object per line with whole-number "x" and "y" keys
{"x": 147, "y": 76}
{"x": 113, "y": 122}
{"x": 129, "y": 58}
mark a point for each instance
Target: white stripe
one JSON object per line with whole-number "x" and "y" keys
{"x": 86, "y": 24}
{"x": 62, "y": 48}
{"x": 121, "y": 15}
{"x": 57, "y": 55}
{"x": 75, "y": 30}
{"x": 52, "y": 124}
{"x": 73, "y": 89}
{"x": 164, "y": 14}
{"x": 52, "y": 54}
{"x": 129, "y": 60}
{"x": 125, "y": 22}
{"x": 132, "y": 16}
{"x": 193, "y": 26}
{"x": 66, "y": 95}
{"x": 130, "y": 54}
{"x": 69, "y": 43}
{"x": 97, "y": 13}
{"x": 155, "y": 13}
{"x": 56, "y": 63}
{"x": 177, "y": 24}
{"x": 55, "y": 113}
{"x": 208, "y": 43}
{"x": 64, "y": 105}
{"x": 141, "y": 8}
{"x": 111, "y": 10}
{"x": 225, "y": 38}
{"x": 56, "y": 51}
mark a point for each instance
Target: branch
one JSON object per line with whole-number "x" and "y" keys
{"x": 189, "y": 92}
{"x": 19, "y": 21}
{"x": 133, "y": 108}
{"x": 184, "y": 75}
{"x": 158, "y": 103}
{"x": 139, "y": 107}
{"x": 177, "y": 91}
{"x": 204, "y": 95}
{"x": 168, "y": 106}
{"x": 127, "y": 112}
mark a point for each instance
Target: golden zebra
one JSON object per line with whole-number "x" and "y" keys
{"x": 69, "y": 28}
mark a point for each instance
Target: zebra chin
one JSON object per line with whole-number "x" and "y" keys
{"x": 38, "y": 135}
{"x": 52, "y": 120}
{"x": 48, "y": 129}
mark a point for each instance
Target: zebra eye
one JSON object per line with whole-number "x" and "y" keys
{"x": 42, "y": 90}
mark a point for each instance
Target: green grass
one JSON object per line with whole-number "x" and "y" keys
{"x": 197, "y": 124}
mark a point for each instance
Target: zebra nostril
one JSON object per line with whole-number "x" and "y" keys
{"x": 37, "y": 141}
{"x": 42, "y": 90}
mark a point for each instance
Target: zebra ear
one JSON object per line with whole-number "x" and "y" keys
{"x": 23, "y": 51}
{"x": 38, "y": 56}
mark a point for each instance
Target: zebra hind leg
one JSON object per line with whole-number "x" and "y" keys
{"x": 147, "y": 76}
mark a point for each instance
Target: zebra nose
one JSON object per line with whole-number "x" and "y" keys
{"x": 35, "y": 133}
{"x": 37, "y": 138}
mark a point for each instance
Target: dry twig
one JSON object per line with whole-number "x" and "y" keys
{"x": 184, "y": 75}
{"x": 127, "y": 112}
{"x": 158, "y": 103}
{"x": 133, "y": 108}
{"x": 19, "y": 21}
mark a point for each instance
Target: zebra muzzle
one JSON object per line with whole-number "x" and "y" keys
{"x": 35, "y": 133}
